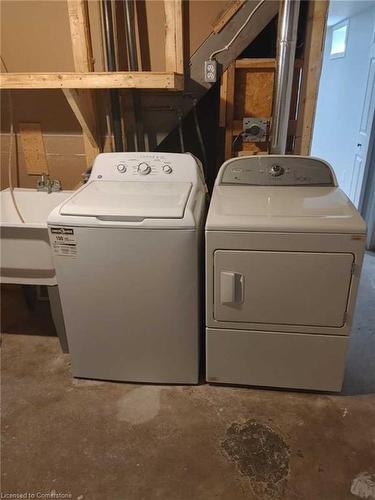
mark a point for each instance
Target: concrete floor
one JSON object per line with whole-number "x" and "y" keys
{"x": 113, "y": 441}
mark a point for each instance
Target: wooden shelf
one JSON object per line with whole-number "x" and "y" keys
{"x": 90, "y": 80}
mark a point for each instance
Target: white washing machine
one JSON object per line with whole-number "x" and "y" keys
{"x": 284, "y": 250}
{"x": 126, "y": 248}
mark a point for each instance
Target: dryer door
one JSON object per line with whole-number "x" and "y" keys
{"x": 290, "y": 288}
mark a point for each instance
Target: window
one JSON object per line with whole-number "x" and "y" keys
{"x": 339, "y": 39}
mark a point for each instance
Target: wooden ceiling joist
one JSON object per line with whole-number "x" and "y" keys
{"x": 87, "y": 80}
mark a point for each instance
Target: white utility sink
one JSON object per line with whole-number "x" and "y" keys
{"x": 25, "y": 250}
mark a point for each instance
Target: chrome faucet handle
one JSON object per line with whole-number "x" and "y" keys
{"x": 44, "y": 183}
{"x": 41, "y": 183}
{"x": 56, "y": 185}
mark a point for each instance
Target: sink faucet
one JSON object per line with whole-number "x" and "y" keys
{"x": 47, "y": 184}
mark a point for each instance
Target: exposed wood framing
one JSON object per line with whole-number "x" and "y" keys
{"x": 83, "y": 80}
{"x": 314, "y": 44}
{"x": 174, "y": 44}
{"x": 247, "y": 91}
{"x": 262, "y": 63}
{"x": 80, "y": 35}
{"x": 230, "y": 77}
{"x": 83, "y": 105}
{"x": 34, "y": 152}
{"x": 195, "y": 86}
{"x": 259, "y": 21}
{"x": 227, "y": 15}
{"x": 255, "y": 63}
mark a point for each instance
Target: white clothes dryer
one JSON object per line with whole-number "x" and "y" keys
{"x": 284, "y": 250}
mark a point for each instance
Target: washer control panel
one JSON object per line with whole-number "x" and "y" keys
{"x": 147, "y": 167}
{"x": 144, "y": 167}
{"x": 277, "y": 171}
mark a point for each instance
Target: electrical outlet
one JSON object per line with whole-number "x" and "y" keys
{"x": 210, "y": 71}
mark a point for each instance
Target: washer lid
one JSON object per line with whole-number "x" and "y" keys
{"x": 113, "y": 200}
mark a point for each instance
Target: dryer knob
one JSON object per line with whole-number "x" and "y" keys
{"x": 144, "y": 168}
{"x": 276, "y": 170}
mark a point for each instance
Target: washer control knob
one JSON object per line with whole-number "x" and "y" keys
{"x": 144, "y": 168}
{"x": 167, "y": 169}
{"x": 276, "y": 170}
{"x": 121, "y": 168}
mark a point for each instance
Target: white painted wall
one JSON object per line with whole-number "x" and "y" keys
{"x": 341, "y": 96}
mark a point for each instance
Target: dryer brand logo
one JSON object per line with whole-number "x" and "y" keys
{"x": 62, "y": 230}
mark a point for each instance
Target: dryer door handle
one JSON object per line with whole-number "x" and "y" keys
{"x": 231, "y": 287}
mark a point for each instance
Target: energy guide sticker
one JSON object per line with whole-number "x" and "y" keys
{"x": 63, "y": 241}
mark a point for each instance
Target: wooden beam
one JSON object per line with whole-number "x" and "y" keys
{"x": 80, "y": 103}
{"x": 315, "y": 35}
{"x": 80, "y": 35}
{"x": 223, "y": 99}
{"x": 174, "y": 43}
{"x": 227, "y": 15}
{"x": 83, "y": 61}
{"x": 262, "y": 63}
{"x": 255, "y": 63}
{"x": 215, "y": 41}
{"x": 230, "y": 76}
{"x": 83, "y": 80}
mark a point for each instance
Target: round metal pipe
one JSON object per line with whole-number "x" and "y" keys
{"x": 111, "y": 66}
{"x": 130, "y": 34}
{"x": 286, "y": 50}
{"x": 133, "y": 66}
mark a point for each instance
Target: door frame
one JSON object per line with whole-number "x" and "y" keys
{"x": 367, "y": 198}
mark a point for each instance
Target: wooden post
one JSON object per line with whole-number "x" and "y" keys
{"x": 313, "y": 56}
{"x": 174, "y": 45}
{"x": 229, "y": 75}
{"x": 83, "y": 62}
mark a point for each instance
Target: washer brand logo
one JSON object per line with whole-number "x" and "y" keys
{"x": 61, "y": 230}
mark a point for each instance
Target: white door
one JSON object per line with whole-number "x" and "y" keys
{"x": 290, "y": 288}
{"x": 367, "y": 118}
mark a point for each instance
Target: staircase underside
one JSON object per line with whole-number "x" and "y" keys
{"x": 195, "y": 86}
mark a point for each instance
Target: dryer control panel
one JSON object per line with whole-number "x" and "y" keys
{"x": 272, "y": 170}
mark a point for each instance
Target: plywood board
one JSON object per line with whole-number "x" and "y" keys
{"x": 253, "y": 93}
{"x": 33, "y": 148}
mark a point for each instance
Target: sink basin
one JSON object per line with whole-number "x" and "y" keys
{"x": 25, "y": 251}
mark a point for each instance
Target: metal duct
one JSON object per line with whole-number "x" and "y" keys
{"x": 111, "y": 66}
{"x": 286, "y": 49}
{"x": 133, "y": 66}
